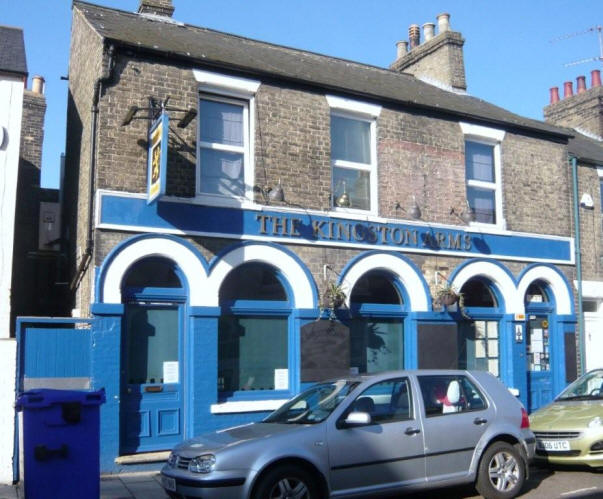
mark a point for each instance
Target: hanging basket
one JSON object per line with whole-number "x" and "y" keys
{"x": 448, "y": 299}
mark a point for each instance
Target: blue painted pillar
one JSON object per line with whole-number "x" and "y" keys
{"x": 202, "y": 369}
{"x": 106, "y": 373}
{"x": 519, "y": 365}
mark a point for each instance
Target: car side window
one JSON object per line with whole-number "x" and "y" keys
{"x": 386, "y": 401}
{"x": 449, "y": 394}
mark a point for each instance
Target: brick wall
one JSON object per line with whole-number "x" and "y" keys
{"x": 86, "y": 64}
{"x": 583, "y": 111}
{"x": 420, "y": 155}
{"x": 440, "y": 59}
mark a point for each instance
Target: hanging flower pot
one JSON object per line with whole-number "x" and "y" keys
{"x": 333, "y": 298}
{"x": 448, "y": 299}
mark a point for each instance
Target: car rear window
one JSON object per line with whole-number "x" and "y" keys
{"x": 449, "y": 394}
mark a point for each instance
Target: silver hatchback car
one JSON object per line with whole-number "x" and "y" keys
{"x": 363, "y": 436}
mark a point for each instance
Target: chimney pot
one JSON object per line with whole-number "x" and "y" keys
{"x": 568, "y": 89}
{"x": 37, "y": 85}
{"x": 402, "y": 48}
{"x": 554, "y": 91}
{"x": 428, "y": 31}
{"x": 414, "y": 35}
{"x": 443, "y": 22}
{"x": 581, "y": 84}
{"x": 595, "y": 76}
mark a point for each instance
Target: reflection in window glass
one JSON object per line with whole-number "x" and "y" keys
{"x": 252, "y": 281}
{"x": 151, "y": 340}
{"x": 483, "y": 203}
{"x": 375, "y": 287}
{"x": 152, "y": 272}
{"x": 222, "y": 146}
{"x": 250, "y": 351}
{"x": 376, "y": 344}
{"x": 481, "y": 180}
{"x": 352, "y": 188}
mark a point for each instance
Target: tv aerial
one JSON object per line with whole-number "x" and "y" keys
{"x": 593, "y": 29}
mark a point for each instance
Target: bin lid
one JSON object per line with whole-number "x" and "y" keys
{"x": 45, "y": 397}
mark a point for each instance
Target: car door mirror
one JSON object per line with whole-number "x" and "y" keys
{"x": 358, "y": 419}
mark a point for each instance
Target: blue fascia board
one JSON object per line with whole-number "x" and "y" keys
{"x": 131, "y": 212}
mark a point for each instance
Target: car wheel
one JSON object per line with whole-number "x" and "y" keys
{"x": 286, "y": 482}
{"x": 501, "y": 472}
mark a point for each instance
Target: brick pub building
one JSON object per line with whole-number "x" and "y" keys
{"x": 247, "y": 218}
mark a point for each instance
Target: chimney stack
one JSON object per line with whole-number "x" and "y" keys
{"x": 37, "y": 85}
{"x": 438, "y": 60}
{"x": 414, "y": 36}
{"x": 156, "y": 7}
{"x": 582, "y": 110}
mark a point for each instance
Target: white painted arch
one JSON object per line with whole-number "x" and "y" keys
{"x": 557, "y": 285}
{"x": 499, "y": 278}
{"x": 406, "y": 273}
{"x": 290, "y": 268}
{"x": 180, "y": 254}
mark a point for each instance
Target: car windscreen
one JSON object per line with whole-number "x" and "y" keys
{"x": 587, "y": 387}
{"x": 314, "y": 405}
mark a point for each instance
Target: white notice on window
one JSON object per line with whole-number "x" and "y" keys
{"x": 281, "y": 379}
{"x": 537, "y": 346}
{"x": 170, "y": 372}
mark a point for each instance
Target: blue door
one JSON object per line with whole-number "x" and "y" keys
{"x": 152, "y": 395}
{"x": 540, "y": 382}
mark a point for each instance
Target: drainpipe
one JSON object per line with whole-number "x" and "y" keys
{"x": 577, "y": 250}
{"x": 87, "y": 255}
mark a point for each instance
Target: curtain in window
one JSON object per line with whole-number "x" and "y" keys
{"x": 221, "y": 123}
{"x": 482, "y": 202}
{"x": 350, "y": 140}
{"x": 479, "y": 162}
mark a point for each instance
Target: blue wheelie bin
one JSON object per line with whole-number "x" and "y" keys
{"x": 61, "y": 443}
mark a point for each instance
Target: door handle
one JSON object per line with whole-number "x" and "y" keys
{"x": 479, "y": 421}
{"x": 412, "y": 431}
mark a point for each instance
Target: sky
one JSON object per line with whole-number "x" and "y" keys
{"x": 515, "y": 50}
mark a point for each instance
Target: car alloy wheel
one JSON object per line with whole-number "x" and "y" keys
{"x": 286, "y": 482}
{"x": 289, "y": 488}
{"x": 501, "y": 472}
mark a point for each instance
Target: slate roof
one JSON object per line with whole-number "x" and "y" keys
{"x": 12, "y": 51}
{"x": 586, "y": 149}
{"x": 223, "y": 50}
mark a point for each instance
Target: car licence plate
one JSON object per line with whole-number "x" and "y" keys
{"x": 553, "y": 445}
{"x": 168, "y": 483}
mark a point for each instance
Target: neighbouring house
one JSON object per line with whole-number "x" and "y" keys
{"x": 583, "y": 112}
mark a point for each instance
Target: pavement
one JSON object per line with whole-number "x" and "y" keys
{"x": 144, "y": 485}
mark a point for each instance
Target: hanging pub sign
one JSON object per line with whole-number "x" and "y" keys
{"x": 157, "y": 158}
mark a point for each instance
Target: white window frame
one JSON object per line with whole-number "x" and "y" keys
{"x": 492, "y": 137}
{"x": 361, "y": 111}
{"x": 231, "y": 90}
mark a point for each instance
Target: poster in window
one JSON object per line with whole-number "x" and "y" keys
{"x": 157, "y": 158}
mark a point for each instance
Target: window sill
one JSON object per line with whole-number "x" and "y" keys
{"x": 246, "y": 406}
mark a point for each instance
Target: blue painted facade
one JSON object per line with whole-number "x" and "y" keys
{"x": 96, "y": 351}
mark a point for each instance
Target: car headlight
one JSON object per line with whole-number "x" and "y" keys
{"x": 172, "y": 460}
{"x": 595, "y": 422}
{"x": 202, "y": 464}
